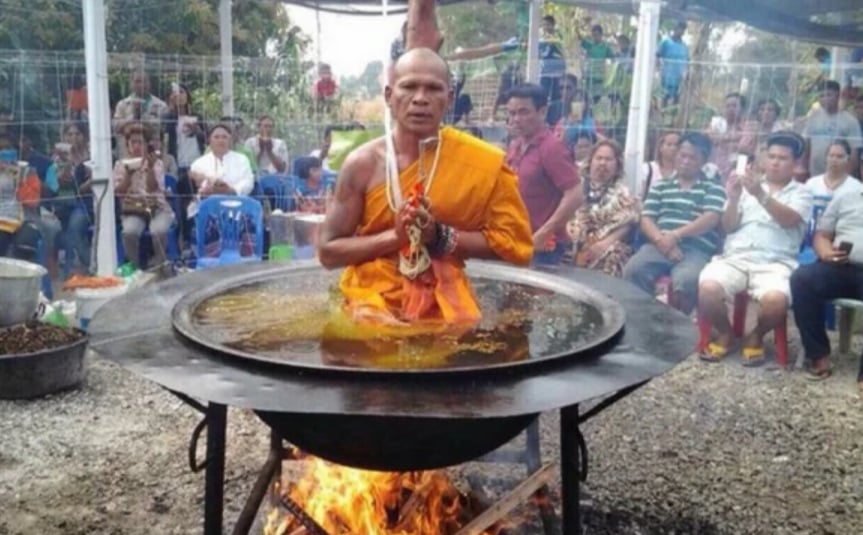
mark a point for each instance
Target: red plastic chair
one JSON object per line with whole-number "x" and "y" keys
{"x": 738, "y": 325}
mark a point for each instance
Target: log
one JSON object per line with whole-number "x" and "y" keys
{"x": 516, "y": 497}
{"x": 417, "y": 498}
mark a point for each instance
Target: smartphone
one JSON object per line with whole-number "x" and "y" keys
{"x": 742, "y": 163}
{"x": 846, "y": 247}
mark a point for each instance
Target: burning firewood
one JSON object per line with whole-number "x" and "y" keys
{"x": 336, "y": 500}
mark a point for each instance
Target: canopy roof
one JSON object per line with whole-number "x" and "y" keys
{"x": 794, "y": 18}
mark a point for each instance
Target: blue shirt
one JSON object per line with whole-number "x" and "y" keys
{"x": 674, "y": 56}
{"x": 551, "y": 62}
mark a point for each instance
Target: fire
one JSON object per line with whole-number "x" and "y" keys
{"x": 358, "y": 502}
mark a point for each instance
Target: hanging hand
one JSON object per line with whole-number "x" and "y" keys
{"x": 595, "y": 251}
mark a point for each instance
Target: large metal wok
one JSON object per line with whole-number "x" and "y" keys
{"x": 409, "y": 442}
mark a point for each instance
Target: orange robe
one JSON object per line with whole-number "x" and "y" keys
{"x": 472, "y": 190}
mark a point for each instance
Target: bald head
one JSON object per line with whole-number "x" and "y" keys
{"x": 422, "y": 60}
{"x": 419, "y": 92}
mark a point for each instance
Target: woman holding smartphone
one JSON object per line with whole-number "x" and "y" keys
{"x": 139, "y": 183}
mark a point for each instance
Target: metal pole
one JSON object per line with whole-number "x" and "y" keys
{"x": 642, "y": 88}
{"x": 226, "y": 41}
{"x": 214, "y": 478}
{"x": 570, "y": 471}
{"x": 836, "y": 61}
{"x": 96, "y": 58}
{"x": 318, "y": 42}
{"x": 533, "y": 41}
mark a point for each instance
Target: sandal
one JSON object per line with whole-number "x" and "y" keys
{"x": 714, "y": 352}
{"x": 814, "y": 374}
{"x": 753, "y": 356}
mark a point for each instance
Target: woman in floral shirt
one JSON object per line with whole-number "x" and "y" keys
{"x": 601, "y": 226}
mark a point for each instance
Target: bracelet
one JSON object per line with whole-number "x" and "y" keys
{"x": 446, "y": 240}
{"x": 452, "y": 243}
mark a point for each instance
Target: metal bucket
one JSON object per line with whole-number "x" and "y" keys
{"x": 282, "y": 228}
{"x": 20, "y": 282}
{"x": 44, "y": 372}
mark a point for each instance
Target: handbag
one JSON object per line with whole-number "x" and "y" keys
{"x": 139, "y": 206}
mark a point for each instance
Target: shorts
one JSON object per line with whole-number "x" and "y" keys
{"x": 736, "y": 275}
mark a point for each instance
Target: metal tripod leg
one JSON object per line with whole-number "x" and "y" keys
{"x": 214, "y": 480}
{"x": 573, "y": 463}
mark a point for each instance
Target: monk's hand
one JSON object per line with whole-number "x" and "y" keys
{"x": 422, "y": 217}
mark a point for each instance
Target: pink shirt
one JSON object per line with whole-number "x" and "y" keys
{"x": 545, "y": 170}
{"x": 138, "y": 187}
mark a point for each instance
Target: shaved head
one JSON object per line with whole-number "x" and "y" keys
{"x": 422, "y": 60}
{"x": 419, "y": 92}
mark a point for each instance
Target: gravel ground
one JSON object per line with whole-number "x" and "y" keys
{"x": 706, "y": 449}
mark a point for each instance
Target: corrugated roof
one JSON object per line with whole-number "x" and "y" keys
{"x": 794, "y": 18}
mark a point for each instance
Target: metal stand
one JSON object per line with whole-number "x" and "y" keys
{"x": 573, "y": 469}
{"x": 214, "y": 493}
{"x": 573, "y": 465}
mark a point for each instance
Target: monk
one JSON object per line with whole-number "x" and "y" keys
{"x": 404, "y": 234}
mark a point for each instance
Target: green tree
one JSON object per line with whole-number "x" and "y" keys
{"x": 185, "y": 27}
{"x": 477, "y": 23}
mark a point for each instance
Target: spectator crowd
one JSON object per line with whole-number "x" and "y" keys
{"x": 744, "y": 204}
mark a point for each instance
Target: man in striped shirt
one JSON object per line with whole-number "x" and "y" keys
{"x": 679, "y": 221}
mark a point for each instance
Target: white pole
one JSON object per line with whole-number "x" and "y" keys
{"x": 836, "y": 61}
{"x": 533, "y": 41}
{"x": 226, "y": 41}
{"x": 642, "y": 88}
{"x": 100, "y": 135}
{"x": 318, "y": 42}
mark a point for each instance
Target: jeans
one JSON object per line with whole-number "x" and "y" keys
{"x": 186, "y": 191}
{"x": 648, "y": 265}
{"x": 77, "y": 239}
{"x": 133, "y": 227}
{"x": 550, "y": 258}
{"x": 812, "y": 287}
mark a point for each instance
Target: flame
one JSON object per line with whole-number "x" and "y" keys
{"x": 344, "y": 500}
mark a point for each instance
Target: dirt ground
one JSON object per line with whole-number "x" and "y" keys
{"x": 705, "y": 449}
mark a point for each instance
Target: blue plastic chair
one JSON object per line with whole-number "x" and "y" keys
{"x": 277, "y": 189}
{"x": 227, "y": 221}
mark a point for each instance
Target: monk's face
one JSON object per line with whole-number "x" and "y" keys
{"x": 420, "y": 93}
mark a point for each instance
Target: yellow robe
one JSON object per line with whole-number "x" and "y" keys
{"x": 472, "y": 190}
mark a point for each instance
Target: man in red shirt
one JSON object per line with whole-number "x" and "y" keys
{"x": 325, "y": 86}
{"x": 547, "y": 177}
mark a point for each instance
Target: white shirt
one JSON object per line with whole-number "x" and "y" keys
{"x": 759, "y": 238}
{"x": 188, "y": 149}
{"x": 233, "y": 169}
{"x": 265, "y": 166}
{"x": 152, "y": 109}
{"x": 821, "y": 194}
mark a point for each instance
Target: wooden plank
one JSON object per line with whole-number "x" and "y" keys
{"x": 516, "y": 497}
